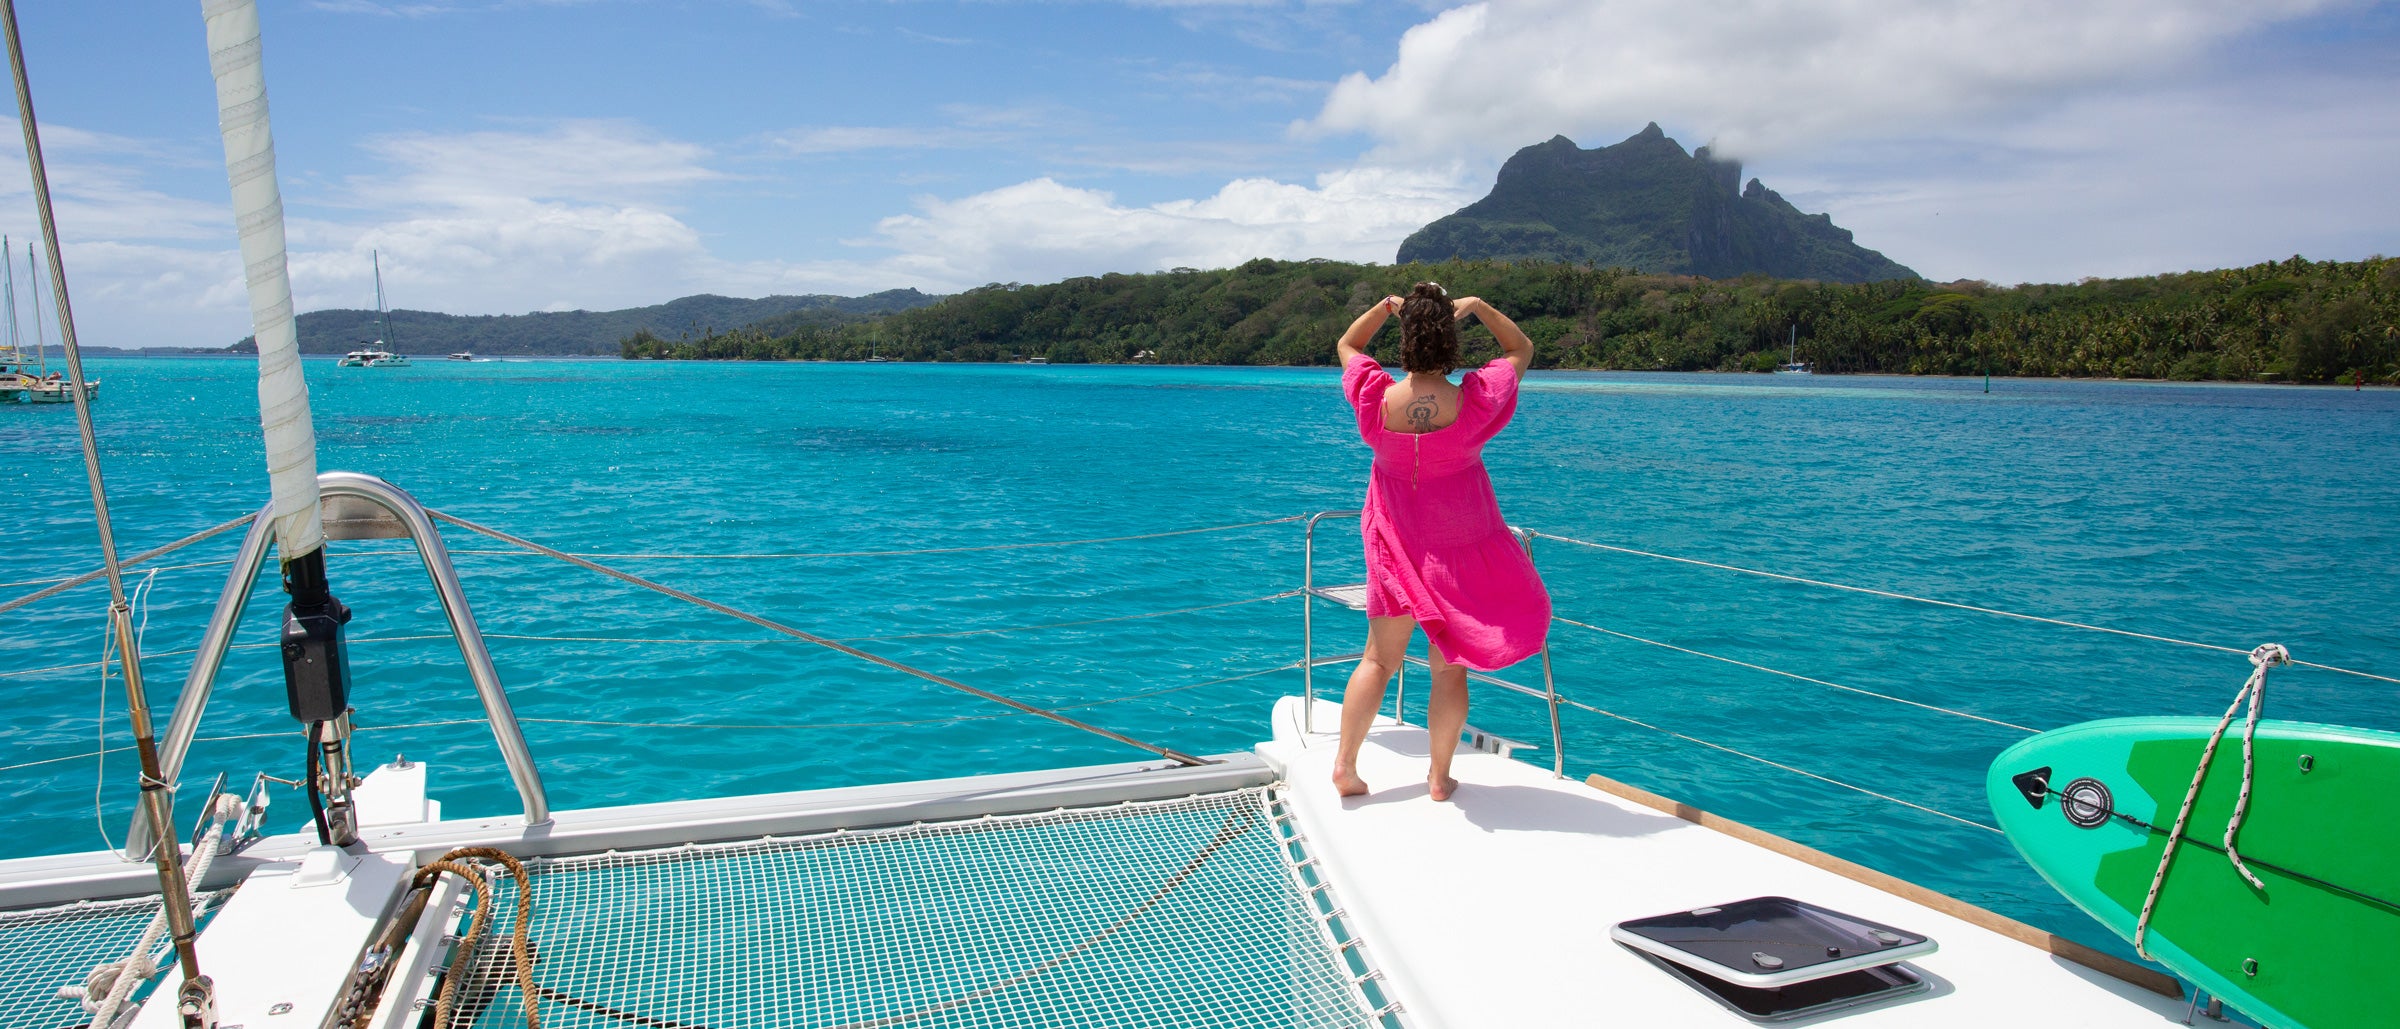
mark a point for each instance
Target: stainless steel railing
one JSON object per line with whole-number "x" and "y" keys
{"x": 1310, "y": 593}
{"x": 356, "y": 507}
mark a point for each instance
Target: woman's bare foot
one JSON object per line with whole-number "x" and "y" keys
{"x": 1442, "y": 788}
{"x": 1347, "y": 783}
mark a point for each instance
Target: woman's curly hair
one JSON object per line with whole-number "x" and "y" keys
{"x": 1428, "y": 333}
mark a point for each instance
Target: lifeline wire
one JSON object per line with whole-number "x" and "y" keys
{"x": 68, "y": 584}
{"x": 1950, "y": 604}
{"x": 1144, "y": 695}
{"x": 1802, "y": 678}
{"x": 444, "y": 723}
{"x": 994, "y": 630}
{"x": 1173, "y": 755}
{"x": 1781, "y": 765}
{"x": 874, "y": 553}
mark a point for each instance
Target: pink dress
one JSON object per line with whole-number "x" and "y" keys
{"x": 1437, "y": 548}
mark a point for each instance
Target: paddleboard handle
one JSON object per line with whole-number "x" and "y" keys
{"x": 2034, "y": 786}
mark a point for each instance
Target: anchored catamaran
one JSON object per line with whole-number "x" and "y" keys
{"x": 1186, "y": 889}
{"x": 31, "y": 382}
{"x": 373, "y": 355}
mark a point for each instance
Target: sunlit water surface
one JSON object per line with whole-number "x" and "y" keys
{"x": 2232, "y": 515}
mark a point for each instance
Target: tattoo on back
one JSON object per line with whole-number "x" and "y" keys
{"x": 1422, "y": 411}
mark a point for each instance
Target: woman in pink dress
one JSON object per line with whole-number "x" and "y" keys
{"x": 1439, "y": 556}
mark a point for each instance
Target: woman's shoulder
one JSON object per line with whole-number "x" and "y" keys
{"x": 1496, "y": 380}
{"x": 1364, "y": 378}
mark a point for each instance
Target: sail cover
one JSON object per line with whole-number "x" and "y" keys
{"x": 233, "y": 57}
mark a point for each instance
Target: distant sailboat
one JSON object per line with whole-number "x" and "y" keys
{"x": 1792, "y": 364}
{"x": 41, "y": 386}
{"x": 15, "y": 383}
{"x": 374, "y": 355}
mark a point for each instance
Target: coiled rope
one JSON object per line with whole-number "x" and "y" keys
{"x": 108, "y": 986}
{"x": 454, "y": 863}
{"x": 2254, "y": 691}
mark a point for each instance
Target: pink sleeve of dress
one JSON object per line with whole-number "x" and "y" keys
{"x": 1495, "y": 385}
{"x": 1364, "y": 383}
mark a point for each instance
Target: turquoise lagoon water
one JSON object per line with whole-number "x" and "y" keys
{"x": 2233, "y": 515}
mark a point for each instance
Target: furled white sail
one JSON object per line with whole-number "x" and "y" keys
{"x": 233, "y": 56}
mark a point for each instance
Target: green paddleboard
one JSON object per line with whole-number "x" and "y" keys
{"x": 2319, "y": 946}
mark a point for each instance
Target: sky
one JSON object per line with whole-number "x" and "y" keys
{"x": 505, "y": 156}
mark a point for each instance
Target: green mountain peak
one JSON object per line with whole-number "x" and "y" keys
{"x": 1645, "y": 204}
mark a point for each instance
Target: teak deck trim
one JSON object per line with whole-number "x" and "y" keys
{"x": 2059, "y": 946}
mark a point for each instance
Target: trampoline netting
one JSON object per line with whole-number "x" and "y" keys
{"x": 42, "y": 949}
{"x": 1187, "y": 912}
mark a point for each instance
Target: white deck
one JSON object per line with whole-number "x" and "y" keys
{"x": 1494, "y": 910}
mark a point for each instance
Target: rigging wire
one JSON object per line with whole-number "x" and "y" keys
{"x": 68, "y": 584}
{"x": 982, "y": 548}
{"x": 1173, "y": 755}
{"x": 1949, "y": 604}
{"x": 1778, "y": 764}
{"x": 88, "y": 755}
{"x": 1802, "y": 678}
{"x": 994, "y": 630}
{"x": 140, "y": 601}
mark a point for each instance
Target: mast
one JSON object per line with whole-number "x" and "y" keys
{"x": 33, "y": 285}
{"x": 316, "y": 661}
{"x": 383, "y": 319}
{"x": 8, "y": 284}
{"x": 194, "y": 1000}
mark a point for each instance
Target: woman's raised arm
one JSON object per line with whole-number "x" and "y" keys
{"x": 1514, "y": 344}
{"x": 1354, "y": 340}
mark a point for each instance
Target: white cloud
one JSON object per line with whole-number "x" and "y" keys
{"x": 1763, "y": 76}
{"x": 490, "y": 222}
{"x": 575, "y": 215}
{"x": 2128, "y": 183}
{"x": 844, "y": 139}
{"x": 612, "y": 161}
{"x": 1042, "y": 230}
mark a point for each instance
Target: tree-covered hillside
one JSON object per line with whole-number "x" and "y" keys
{"x": 581, "y": 332}
{"x": 2301, "y": 320}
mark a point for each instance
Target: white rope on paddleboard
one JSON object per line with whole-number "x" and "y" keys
{"x": 2254, "y": 691}
{"x": 233, "y": 57}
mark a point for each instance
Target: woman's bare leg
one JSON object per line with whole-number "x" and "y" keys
{"x": 1445, "y": 717}
{"x": 1387, "y": 647}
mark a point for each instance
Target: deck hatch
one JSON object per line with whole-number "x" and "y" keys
{"x": 1775, "y": 958}
{"x": 1174, "y": 912}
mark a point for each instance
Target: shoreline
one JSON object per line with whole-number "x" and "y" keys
{"x": 440, "y": 360}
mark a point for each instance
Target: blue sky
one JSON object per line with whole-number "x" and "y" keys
{"x": 549, "y": 154}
